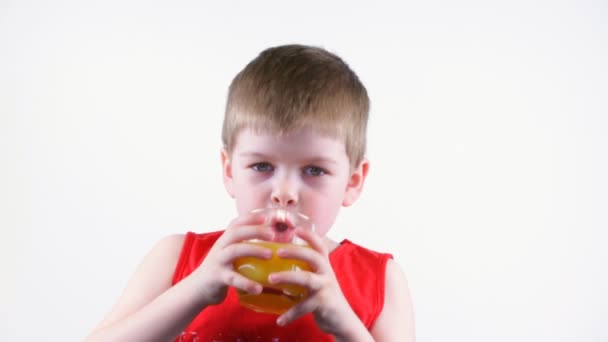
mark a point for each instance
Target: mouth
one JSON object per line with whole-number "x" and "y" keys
{"x": 281, "y": 222}
{"x": 284, "y": 230}
{"x": 281, "y": 226}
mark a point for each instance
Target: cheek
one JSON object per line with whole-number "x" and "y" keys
{"x": 325, "y": 219}
{"x": 324, "y": 210}
{"x": 249, "y": 197}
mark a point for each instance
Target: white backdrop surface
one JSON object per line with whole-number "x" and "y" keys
{"x": 488, "y": 142}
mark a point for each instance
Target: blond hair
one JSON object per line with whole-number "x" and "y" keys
{"x": 294, "y": 86}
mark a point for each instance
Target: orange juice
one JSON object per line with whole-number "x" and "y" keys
{"x": 274, "y": 298}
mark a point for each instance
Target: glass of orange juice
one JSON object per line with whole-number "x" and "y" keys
{"x": 275, "y": 299}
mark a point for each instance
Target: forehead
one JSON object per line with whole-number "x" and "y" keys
{"x": 301, "y": 143}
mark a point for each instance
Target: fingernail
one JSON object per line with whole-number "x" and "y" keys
{"x": 280, "y": 321}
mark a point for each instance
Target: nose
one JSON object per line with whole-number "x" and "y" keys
{"x": 284, "y": 193}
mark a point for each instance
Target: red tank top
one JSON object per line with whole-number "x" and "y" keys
{"x": 360, "y": 273}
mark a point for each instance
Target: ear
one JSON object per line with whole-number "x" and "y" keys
{"x": 355, "y": 183}
{"x": 227, "y": 172}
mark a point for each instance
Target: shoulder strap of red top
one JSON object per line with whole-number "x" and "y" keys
{"x": 194, "y": 251}
{"x": 361, "y": 273}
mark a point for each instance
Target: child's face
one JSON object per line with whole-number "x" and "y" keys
{"x": 301, "y": 171}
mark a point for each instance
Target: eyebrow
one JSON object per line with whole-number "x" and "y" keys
{"x": 251, "y": 154}
{"x": 314, "y": 159}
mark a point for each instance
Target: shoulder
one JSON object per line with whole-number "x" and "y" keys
{"x": 164, "y": 252}
{"x": 355, "y": 263}
{"x": 352, "y": 254}
{"x": 162, "y": 257}
{"x": 169, "y": 243}
{"x": 188, "y": 251}
{"x": 176, "y": 244}
{"x": 396, "y": 320}
{"x": 347, "y": 246}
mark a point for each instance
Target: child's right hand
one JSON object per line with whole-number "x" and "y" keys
{"x": 216, "y": 272}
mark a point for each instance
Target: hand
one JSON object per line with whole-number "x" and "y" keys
{"x": 325, "y": 300}
{"x": 216, "y": 272}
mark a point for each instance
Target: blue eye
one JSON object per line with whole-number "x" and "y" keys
{"x": 314, "y": 171}
{"x": 262, "y": 167}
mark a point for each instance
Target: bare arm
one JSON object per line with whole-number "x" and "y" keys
{"x": 396, "y": 321}
{"x": 149, "y": 308}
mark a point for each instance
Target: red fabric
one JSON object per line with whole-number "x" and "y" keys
{"x": 360, "y": 272}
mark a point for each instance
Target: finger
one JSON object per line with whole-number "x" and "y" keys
{"x": 309, "y": 280}
{"x": 241, "y": 282}
{"x": 313, "y": 239}
{"x": 297, "y": 311}
{"x": 239, "y": 250}
{"x": 316, "y": 261}
{"x": 248, "y": 232}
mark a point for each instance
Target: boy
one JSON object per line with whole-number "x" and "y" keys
{"x": 294, "y": 138}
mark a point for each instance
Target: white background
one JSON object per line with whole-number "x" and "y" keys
{"x": 487, "y": 140}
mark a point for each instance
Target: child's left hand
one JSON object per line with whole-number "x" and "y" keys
{"x": 325, "y": 300}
